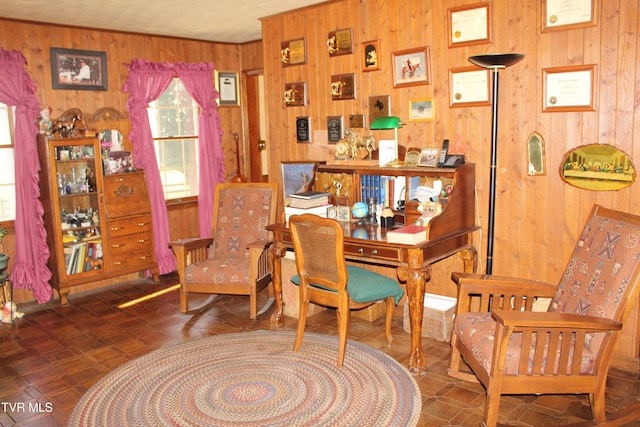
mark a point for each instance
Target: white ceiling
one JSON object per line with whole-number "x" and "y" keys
{"x": 231, "y": 21}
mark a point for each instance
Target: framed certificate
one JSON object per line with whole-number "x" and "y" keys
{"x": 569, "y": 88}
{"x": 468, "y": 86}
{"x": 469, "y": 25}
{"x": 227, "y": 86}
{"x": 560, "y": 15}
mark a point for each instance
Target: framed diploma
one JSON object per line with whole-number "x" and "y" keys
{"x": 560, "y": 15}
{"x": 293, "y": 52}
{"x": 227, "y": 86}
{"x": 569, "y": 88}
{"x": 469, "y": 86}
{"x": 469, "y": 25}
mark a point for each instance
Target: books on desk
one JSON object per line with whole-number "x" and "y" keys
{"x": 308, "y": 199}
{"x": 321, "y": 211}
{"x": 408, "y": 235}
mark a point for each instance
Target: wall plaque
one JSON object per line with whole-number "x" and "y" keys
{"x": 303, "y": 129}
{"x": 293, "y": 52}
{"x": 334, "y": 128}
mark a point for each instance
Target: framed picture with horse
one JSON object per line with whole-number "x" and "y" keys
{"x": 411, "y": 67}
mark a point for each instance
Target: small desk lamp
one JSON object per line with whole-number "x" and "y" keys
{"x": 385, "y": 123}
{"x": 494, "y": 62}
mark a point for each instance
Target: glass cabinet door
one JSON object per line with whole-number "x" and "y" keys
{"x": 77, "y": 177}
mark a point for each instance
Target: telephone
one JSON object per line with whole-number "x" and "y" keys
{"x": 449, "y": 161}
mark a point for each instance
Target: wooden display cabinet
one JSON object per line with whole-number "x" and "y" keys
{"x": 86, "y": 240}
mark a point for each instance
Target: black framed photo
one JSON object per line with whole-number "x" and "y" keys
{"x": 73, "y": 69}
{"x": 227, "y": 86}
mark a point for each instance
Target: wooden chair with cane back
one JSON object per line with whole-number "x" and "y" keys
{"x": 325, "y": 278}
{"x": 514, "y": 349}
{"x": 234, "y": 260}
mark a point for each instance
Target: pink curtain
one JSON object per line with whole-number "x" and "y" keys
{"x": 197, "y": 80}
{"x": 30, "y": 264}
{"x": 147, "y": 80}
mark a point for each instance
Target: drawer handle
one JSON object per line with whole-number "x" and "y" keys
{"x": 142, "y": 224}
{"x": 373, "y": 252}
{"x": 143, "y": 240}
{"x": 120, "y": 262}
{"x": 143, "y": 257}
{"x": 116, "y": 228}
{"x": 117, "y": 245}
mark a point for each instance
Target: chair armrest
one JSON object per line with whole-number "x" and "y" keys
{"x": 260, "y": 244}
{"x": 481, "y": 292}
{"x": 193, "y": 243}
{"x": 546, "y": 320}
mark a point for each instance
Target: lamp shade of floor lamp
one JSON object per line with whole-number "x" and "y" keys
{"x": 494, "y": 62}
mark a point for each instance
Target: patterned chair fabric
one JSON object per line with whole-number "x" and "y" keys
{"x": 513, "y": 350}
{"x": 234, "y": 260}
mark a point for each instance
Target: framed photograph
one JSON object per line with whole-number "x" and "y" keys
{"x": 73, "y": 69}
{"x": 411, "y": 67}
{"x": 296, "y": 177}
{"x": 295, "y": 94}
{"x": 303, "y": 129}
{"x": 379, "y": 106}
{"x": 570, "y": 88}
{"x": 421, "y": 110}
{"x": 293, "y": 52}
{"x": 227, "y": 86}
{"x": 335, "y": 129}
{"x": 429, "y": 157}
{"x": 343, "y": 86}
{"x": 558, "y": 15}
{"x": 343, "y": 213}
{"x": 371, "y": 55}
{"x": 469, "y": 86}
{"x": 118, "y": 162}
{"x": 340, "y": 42}
{"x": 470, "y": 24}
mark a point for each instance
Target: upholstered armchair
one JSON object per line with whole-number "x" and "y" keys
{"x": 513, "y": 349}
{"x": 234, "y": 259}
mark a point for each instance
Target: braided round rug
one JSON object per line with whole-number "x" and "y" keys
{"x": 254, "y": 379}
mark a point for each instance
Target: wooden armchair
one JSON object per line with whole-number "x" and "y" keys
{"x": 234, "y": 260}
{"x": 567, "y": 349}
{"x": 325, "y": 278}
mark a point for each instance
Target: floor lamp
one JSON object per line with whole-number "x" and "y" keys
{"x": 494, "y": 62}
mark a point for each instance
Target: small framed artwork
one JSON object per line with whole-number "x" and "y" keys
{"x": 470, "y": 24}
{"x": 293, "y": 52}
{"x": 303, "y": 129}
{"x": 335, "y": 128}
{"x": 558, "y": 15}
{"x": 411, "y": 67}
{"x": 469, "y": 86}
{"x": 227, "y": 86}
{"x": 421, "y": 110}
{"x": 370, "y": 55}
{"x": 569, "y": 88}
{"x": 340, "y": 42}
{"x": 429, "y": 157}
{"x": 295, "y": 94}
{"x": 379, "y": 106}
{"x": 296, "y": 177}
{"x": 343, "y": 213}
{"x": 73, "y": 69}
{"x": 343, "y": 86}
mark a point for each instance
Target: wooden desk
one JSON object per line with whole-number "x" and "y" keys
{"x": 367, "y": 244}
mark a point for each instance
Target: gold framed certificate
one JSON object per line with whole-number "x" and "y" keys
{"x": 469, "y": 25}
{"x": 569, "y": 88}
{"x": 469, "y": 86}
{"x": 558, "y": 15}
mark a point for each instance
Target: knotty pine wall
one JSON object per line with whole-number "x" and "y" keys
{"x": 538, "y": 218}
{"x": 34, "y": 41}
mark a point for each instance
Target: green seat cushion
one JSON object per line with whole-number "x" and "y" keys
{"x": 366, "y": 286}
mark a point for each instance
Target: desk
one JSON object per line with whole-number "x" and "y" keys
{"x": 367, "y": 244}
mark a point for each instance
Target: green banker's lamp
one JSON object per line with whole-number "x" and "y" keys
{"x": 386, "y": 123}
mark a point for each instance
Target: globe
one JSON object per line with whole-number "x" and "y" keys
{"x": 359, "y": 210}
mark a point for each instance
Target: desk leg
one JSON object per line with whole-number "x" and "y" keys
{"x": 276, "y": 252}
{"x": 416, "y": 280}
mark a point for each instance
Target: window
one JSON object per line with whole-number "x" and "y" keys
{"x": 7, "y": 160}
{"x": 174, "y": 126}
